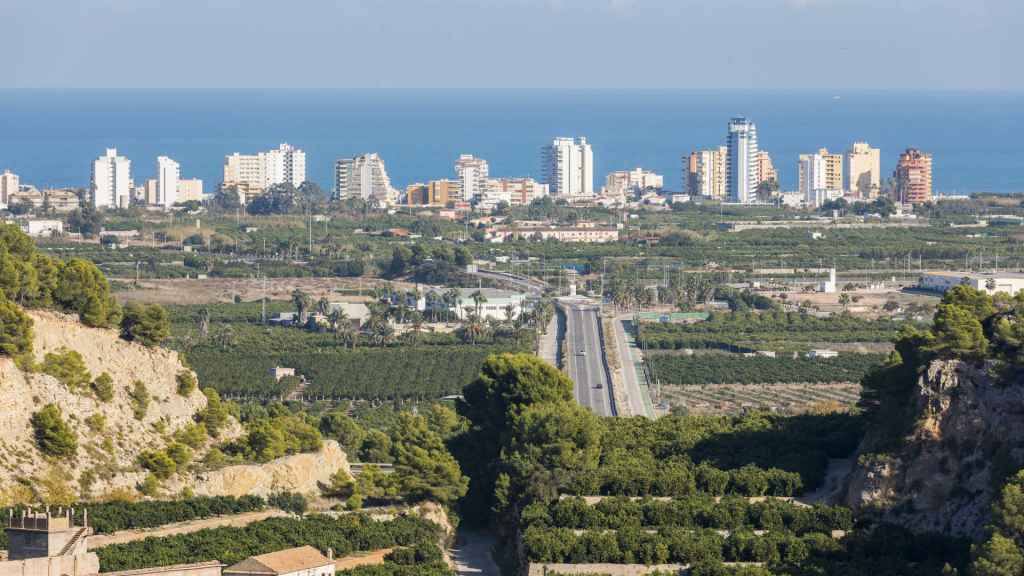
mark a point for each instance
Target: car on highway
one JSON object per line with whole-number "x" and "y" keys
{"x": 581, "y": 353}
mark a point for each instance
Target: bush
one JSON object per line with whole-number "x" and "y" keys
{"x": 103, "y": 387}
{"x": 159, "y": 463}
{"x": 147, "y": 324}
{"x": 53, "y": 436}
{"x": 140, "y": 399}
{"x": 68, "y": 367}
{"x": 186, "y": 383}
{"x": 289, "y": 502}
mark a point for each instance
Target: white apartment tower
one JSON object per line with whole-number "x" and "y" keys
{"x": 472, "y": 174}
{"x": 363, "y": 177}
{"x": 813, "y": 179}
{"x": 567, "y": 166}
{"x": 863, "y": 170}
{"x": 168, "y": 174}
{"x": 111, "y": 180}
{"x": 254, "y": 173}
{"x": 286, "y": 165}
{"x": 9, "y": 183}
{"x": 741, "y": 166}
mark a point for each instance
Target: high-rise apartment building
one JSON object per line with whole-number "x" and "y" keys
{"x": 472, "y": 174}
{"x": 111, "y": 180}
{"x": 624, "y": 182}
{"x": 741, "y": 171}
{"x": 706, "y": 173}
{"x": 363, "y": 177}
{"x": 829, "y": 177}
{"x": 863, "y": 170}
{"x": 765, "y": 168}
{"x": 9, "y": 183}
{"x": 168, "y": 174}
{"x": 567, "y": 167}
{"x": 813, "y": 184}
{"x": 254, "y": 173}
{"x": 913, "y": 177}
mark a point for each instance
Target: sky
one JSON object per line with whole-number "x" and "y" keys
{"x": 606, "y": 44}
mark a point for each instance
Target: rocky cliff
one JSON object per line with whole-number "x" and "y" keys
{"x": 968, "y": 434}
{"x": 107, "y": 457}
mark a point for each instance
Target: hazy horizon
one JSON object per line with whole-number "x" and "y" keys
{"x": 828, "y": 45}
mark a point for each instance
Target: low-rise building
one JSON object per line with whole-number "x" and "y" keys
{"x": 42, "y": 228}
{"x": 596, "y": 235}
{"x": 62, "y": 200}
{"x": 988, "y": 282}
{"x": 26, "y": 194}
{"x": 486, "y": 302}
{"x": 301, "y": 561}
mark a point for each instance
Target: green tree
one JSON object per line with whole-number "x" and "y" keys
{"x": 957, "y": 331}
{"x": 424, "y": 469}
{"x": 345, "y": 430}
{"x": 81, "y": 287}
{"x": 999, "y": 556}
{"x": 53, "y": 436}
{"x": 140, "y": 399}
{"x": 215, "y": 416}
{"x": 148, "y": 325}
{"x": 979, "y": 303}
{"x": 15, "y": 329}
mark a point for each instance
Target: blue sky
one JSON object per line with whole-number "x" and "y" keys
{"x": 619, "y": 44}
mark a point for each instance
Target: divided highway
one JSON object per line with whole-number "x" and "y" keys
{"x": 585, "y": 359}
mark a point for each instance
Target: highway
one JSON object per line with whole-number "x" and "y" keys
{"x": 587, "y": 370}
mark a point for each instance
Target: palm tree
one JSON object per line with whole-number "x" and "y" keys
{"x": 417, "y": 326}
{"x": 510, "y": 313}
{"x": 478, "y": 301}
{"x": 323, "y": 307}
{"x": 451, "y": 300}
{"x": 301, "y": 301}
{"x": 383, "y": 333}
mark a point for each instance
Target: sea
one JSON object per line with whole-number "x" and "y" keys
{"x": 50, "y": 137}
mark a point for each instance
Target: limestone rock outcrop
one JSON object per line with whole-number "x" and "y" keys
{"x": 968, "y": 433}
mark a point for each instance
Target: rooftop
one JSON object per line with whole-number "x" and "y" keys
{"x": 955, "y": 274}
{"x": 281, "y": 562}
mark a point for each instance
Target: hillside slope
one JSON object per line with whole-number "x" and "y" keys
{"x": 106, "y": 459}
{"x": 967, "y": 436}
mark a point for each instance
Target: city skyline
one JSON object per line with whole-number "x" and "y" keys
{"x": 849, "y": 43}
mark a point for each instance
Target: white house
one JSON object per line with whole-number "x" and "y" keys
{"x": 493, "y": 303}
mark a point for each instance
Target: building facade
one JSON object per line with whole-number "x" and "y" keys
{"x": 252, "y": 174}
{"x": 168, "y": 174}
{"x": 567, "y": 167}
{"x": 9, "y": 183}
{"x": 741, "y": 170}
{"x": 472, "y": 175}
{"x": 190, "y": 190}
{"x": 111, "y": 180}
{"x": 517, "y": 191}
{"x": 913, "y": 177}
{"x": 363, "y": 177}
{"x": 62, "y": 199}
{"x": 863, "y": 170}
{"x": 830, "y": 176}
{"x": 766, "y": 169}
{"x": 988, "y": 282}
{"x": 433, "y": 193}
{"x": 706, "y": 175}
{"x": 490, "y": 303}
{"x": 625, "y": 182}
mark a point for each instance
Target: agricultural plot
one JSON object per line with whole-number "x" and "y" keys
{"x": 784, "y": 398}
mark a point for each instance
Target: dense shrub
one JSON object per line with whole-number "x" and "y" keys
{"x": 345, "y": 535}
{"x": 53, "y": 436}
{"x": 147, "y": 324}
{"x": 736, "y": 369}
{"x": 68, "y": 367}
{"x": 103, "y": 387}
{"x": 15, "y": 329}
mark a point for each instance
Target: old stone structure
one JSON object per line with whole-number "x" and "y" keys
{"x": 45, "y": 544}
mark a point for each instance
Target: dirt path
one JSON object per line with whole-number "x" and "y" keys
{"x": 472, "y": 554}
{"x": 829, "y": 491}
{"x": 235, "y": 520}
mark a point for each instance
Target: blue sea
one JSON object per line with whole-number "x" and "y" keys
{"x": 50, "y": 138}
